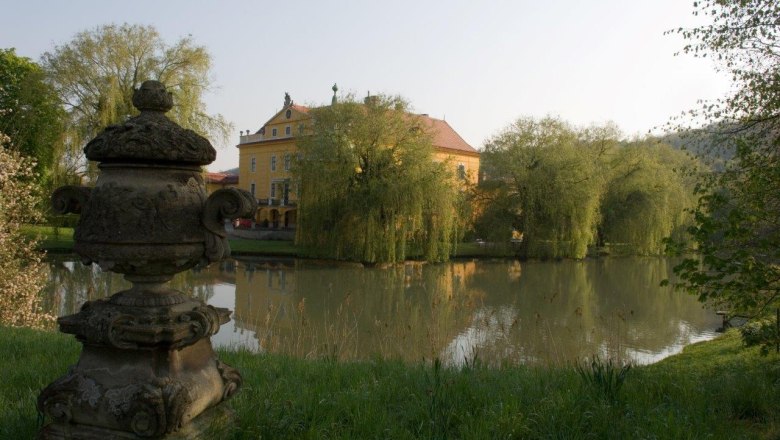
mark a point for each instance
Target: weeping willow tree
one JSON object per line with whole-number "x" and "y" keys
{"x": 566, "y": 189}
{"x": 369, "y": 189}
{"x": 555, "y": 175}
{"x": 96, "y": 72}
{"x": 648, "y": 198}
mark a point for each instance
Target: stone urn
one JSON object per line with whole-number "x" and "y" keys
{"x": 147, "y": 367}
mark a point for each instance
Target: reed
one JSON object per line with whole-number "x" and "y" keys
{"x": 715, "y": 389}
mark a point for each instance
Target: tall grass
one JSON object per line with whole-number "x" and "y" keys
{"x": 713, "y": 390}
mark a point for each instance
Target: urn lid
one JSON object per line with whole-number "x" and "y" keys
{"x": 150, "y": 136}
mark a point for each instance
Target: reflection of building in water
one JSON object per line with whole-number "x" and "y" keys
{"x": 410, "y": 311}
{"x": 265, "y": 295}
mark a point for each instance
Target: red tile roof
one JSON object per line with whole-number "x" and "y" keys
{"x": 300, "y": 108}
{"x": 445, "y": 136}
{"x": 222, "y": 178}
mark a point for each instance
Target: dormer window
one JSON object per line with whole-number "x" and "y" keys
{"x": 288, "y": 114}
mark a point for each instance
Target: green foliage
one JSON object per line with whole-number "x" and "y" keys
{"x": 30, "y": 113}
{"x": 605, "y": 377}
{"x": 369, "y": 186}
{"x": 499, "y": 212}
{"x": 96, "y": 72}
{"x": 566, "y": 189}
{"x": 736, "y": 221}
{"x": 763, "y": 333}
{"x": 648, "y": 197}
{"x": 553, "y": 174}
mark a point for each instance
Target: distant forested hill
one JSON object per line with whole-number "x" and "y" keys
{"x": 713, "y": 145}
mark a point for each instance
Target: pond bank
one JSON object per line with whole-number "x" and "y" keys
{"x": 60, "y": 241}
{"x": 713, "y": 389}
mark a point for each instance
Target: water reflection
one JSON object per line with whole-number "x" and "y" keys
{"x": 496, "y": 311}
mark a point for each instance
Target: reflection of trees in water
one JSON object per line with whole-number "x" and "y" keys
{"x": 570, "y": 309}
{"x": 72, "y": 283}
{"x": 500, "y": 310}
{"x": 655, "y": 317}
{"x": 494, "y": 310}
{"x": 552, "y": 309}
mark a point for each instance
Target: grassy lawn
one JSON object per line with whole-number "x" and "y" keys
{"x": 712, "y": 390}
{"x": 240, "y": 246}
{"x": 474, "y": 250}
{"x": 60, "y": 240}
{"x": 51, "y": 239}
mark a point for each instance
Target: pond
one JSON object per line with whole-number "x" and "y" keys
{"x": 492, "y": 311}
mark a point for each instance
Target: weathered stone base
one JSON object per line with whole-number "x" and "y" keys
{"x": 143, "y": 371}
{"x": 214, "y": 423}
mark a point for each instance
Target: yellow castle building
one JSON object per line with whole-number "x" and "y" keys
{"x": 265, "y": 160}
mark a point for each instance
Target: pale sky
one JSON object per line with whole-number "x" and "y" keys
{"x": 478, "y": 64}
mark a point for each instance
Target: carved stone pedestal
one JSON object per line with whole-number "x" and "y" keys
{"x": 144, "y": 370}
{"x": 147, "y": 367}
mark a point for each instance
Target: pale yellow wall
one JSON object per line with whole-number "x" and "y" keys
{"x": 263, "y": 152}
{"x": 263, "y": 175}
{"x": 470, "y": 162}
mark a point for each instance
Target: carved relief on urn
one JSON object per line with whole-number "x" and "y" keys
{"x": 147, "y": 366}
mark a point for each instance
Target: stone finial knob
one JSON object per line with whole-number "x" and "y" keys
{"x": 152, "y": 96}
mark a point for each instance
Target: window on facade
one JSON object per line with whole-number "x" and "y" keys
{"x": 273, "y": 190}
{"x": 253, "y": 165}
{"x": 273, "y": 163}
{"x": 461, "y": 171}
{"x": 273, "y": 132}
{"x": 252, "y": 189}
{"x": 287, "y": 130}
{"x": 300, "y": 128}
{"x": 287, "y": 162}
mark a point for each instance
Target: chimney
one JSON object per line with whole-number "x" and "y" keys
{"x": 371, "y": 100}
